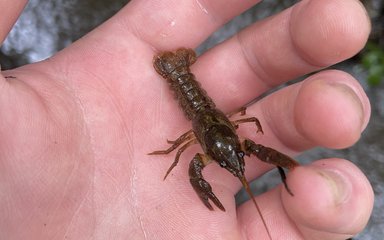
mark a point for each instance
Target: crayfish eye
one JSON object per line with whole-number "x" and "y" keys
{"x": 240, "y": 154}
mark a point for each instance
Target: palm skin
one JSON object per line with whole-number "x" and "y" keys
{"x": 76, "y": 128}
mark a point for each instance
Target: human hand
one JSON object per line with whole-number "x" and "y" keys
{"x": 76, "y": 128}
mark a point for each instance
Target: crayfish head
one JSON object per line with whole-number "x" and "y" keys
{"x": 234, "y": 163}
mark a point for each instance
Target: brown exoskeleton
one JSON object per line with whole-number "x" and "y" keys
{"x": 212, "y": 129}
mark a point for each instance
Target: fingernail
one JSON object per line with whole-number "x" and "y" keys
{"x": 338, "y": 184}
{"x": 351, "y": 94}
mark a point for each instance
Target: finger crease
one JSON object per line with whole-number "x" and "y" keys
{"x": 252, "y": 66}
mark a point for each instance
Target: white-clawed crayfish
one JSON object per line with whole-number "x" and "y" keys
{"x": 212, "y": 129}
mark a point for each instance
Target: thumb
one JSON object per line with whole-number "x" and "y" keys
{"x": 8, "y": 17}
{"x": 333, "y": 199}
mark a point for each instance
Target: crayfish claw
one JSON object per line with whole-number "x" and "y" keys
{"x": 199, "y": 184}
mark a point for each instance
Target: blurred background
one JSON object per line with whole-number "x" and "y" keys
{"x": 45, "y": 27}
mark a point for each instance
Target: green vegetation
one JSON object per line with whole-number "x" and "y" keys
{"x": 373, "y": 61}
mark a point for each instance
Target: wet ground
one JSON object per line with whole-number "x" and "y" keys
{"x": 47, "y": 26}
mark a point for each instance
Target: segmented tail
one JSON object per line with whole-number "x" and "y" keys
{"x": 174, "y": 67}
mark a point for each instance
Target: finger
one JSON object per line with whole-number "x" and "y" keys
{"x": 132, "y": 35}
{"x": 331, "y": 209}
{"x": 328, "y": 211}
{"x": 8, "y": 17}
{"x": 171, "y": 24}
{"x": 328, "y": 109}
{"x": 306, "y": 37}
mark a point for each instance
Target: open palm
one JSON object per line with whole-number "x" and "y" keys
{"x": 76, "y": 128}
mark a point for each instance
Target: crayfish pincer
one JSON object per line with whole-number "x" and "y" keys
{"x": 212, "y": 129}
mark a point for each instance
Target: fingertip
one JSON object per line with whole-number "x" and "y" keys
{"x": 325, "y": 205}
{"x": 9, "y": 17}
{"x": 331, "y": 109}
{"x": 344, "y": 25}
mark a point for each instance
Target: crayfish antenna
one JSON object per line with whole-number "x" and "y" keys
{"x": 248, "y": 190}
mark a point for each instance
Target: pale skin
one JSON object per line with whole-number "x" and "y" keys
{"x": 76, "y": 128}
